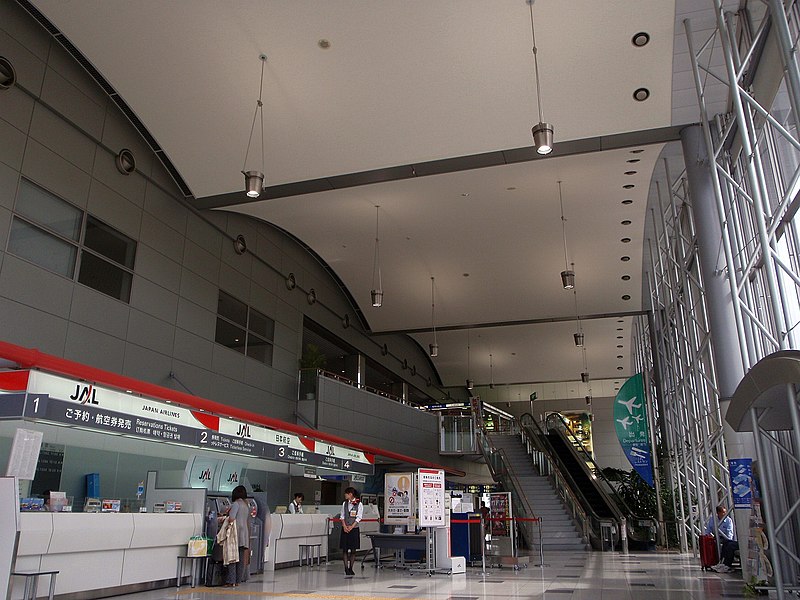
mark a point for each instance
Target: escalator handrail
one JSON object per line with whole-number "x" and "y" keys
{"x": 617, "y": 502}
{"x": 587, "y": 513}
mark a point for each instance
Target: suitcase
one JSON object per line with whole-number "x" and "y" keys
{"x": 708, "y": 552}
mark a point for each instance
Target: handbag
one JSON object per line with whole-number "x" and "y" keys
{"x": 198, "y": 546}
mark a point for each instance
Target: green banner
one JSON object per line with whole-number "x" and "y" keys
{"x": 630, "y": 421}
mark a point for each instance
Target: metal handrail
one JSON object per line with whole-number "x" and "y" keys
{"x": 610, "y": 494}
{"x": 509, "y": 479}
{"x": 567, "y": 488}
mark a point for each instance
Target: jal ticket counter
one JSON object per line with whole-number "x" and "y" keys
{"x": 104, "y": 553}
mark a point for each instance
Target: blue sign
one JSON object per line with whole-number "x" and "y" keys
{"x": 741, "y": 472}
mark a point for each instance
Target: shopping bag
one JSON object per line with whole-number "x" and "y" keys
{"x": 198, "y": 546}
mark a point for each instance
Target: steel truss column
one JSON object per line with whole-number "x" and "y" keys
{"x": 754, "y": 159}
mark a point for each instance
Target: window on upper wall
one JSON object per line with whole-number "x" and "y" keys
{"x": 65, "y": 239}
{"x": 242, "y": 328}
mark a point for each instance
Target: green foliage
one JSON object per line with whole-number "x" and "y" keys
{"x": 313, "y": 358}
{"x": 634, "y": 491}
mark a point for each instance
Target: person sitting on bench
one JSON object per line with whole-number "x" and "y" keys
{"x": 727, "y": 539}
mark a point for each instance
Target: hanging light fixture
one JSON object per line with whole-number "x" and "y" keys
{"x": 491, "y": 373}
{"x": 434, "y": 347}
{"x": 254, "y": 180}
{"x": 567, "y": 275}
{"x": 470, "y": 383}
{"x": 542, "y": 132}
{"x": 578, "y": 335}
{"x": 585, "y": 373}
{"x": 377, "y": 292}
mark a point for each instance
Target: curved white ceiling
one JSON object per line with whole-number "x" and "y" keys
{"x": 408, "y": 82}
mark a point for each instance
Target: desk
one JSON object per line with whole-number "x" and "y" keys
{"x": 32, "y": 582}
{"x": 400, "y": 542}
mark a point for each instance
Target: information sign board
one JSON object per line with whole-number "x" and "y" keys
{"x": 430, "y": 492}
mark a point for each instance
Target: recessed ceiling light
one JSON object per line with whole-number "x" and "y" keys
{"x": 467, "y": 275}
{"x": 631, "y": 172}
{"x": 626, "y": 240}
{"x": 626, "y": 278}
{"x": 620, "y": 346}
{"x": 619, "y": 356}
{"x": 626, "y": 297}
{"x": 626, "y": 202}
{"x": 620, "y": 321}
{"x": 628, "y": 186}
{"x": 633, "y": 161}
{"x": 465, "y": 195}
{"x": 619, "y": 368}
{"x": 641, "y": 94}
{"x": 640, "y": 39}
{"x": 619, "y": 328}
{"x": 625, "y": 258}
{"x": 625, "y": 222}
{"x": 513, "y": 354}
{"x": 325, "y": 44}
{"x": 511, "y": 189}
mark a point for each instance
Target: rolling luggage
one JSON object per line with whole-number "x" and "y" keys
{"x": 708, "y": 552}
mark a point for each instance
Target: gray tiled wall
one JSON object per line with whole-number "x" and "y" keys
{"x": 59, "y": 129}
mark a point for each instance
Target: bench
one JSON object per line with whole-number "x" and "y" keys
{"x": 309, "y": 551}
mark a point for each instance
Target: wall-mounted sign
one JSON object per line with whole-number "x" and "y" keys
{"x": 79, "y": 404}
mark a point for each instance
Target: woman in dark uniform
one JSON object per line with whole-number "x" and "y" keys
{"x": 350, "y": 540}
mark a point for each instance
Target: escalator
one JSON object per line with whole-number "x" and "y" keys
{"x": 578, "y": 473}
{"x": 604, "y": 507}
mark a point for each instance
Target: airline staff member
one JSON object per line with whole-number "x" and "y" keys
{"x": 296, "y": 506}
{"x": 350, "y": 540}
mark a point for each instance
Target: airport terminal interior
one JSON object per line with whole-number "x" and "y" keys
{"x": 429, "y": 299}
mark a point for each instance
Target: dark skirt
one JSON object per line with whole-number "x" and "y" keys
{"x": 351, "y": 540}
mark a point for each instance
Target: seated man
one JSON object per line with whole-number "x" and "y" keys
{"x": 727, "y": 539}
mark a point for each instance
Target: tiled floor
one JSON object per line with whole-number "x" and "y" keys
{"x": 566, "y": 576}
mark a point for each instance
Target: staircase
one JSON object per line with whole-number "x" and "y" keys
{"x": 558, "y": 530}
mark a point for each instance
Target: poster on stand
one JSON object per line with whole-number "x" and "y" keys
{"x": 431, "y": 498}
{"x": 630, "y": 421}
{"x": 500, "y": 507}
{"x": 399, "y": 494}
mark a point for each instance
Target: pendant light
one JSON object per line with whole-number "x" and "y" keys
{"x": 578, "y": 335}
{"x": 567, "y": 275}
{"x": 434, "y": 347}
{"x": 542, "y": 132}
{"x": 491, "y": 373}
{"x": 377, "y": 291}
{"x": 585, "y": 372}
{"x": 470, "y": 383}
{"x": 254, "y": 180}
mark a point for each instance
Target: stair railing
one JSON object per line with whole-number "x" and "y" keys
{"x": 503, "y": 472}
{"x": 544, "y": 456}
{"x": 555, "y": 421}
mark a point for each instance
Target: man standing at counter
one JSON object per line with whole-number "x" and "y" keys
{"x": 296, "y": 506}
{"x": 350, "y": 539}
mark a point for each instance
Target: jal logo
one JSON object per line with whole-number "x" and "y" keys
{"x": 330, "y": 451}
{"x": 233, "y": 477}
{"x": 205, "y": 475}
{"x": 86, "y": 394}
{"x": 244, "y": 430}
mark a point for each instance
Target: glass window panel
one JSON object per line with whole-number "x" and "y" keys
{"x": 109, "y": 242}
{"x": 259, "y": 349}
{"x": 230, "y": 335}
{"x": 261, "y": 324}
{"x": 232, "y": 309}
{"x": 46, "y": 250}
{"x": 48, "y": 210}
{"x": 105, "y": 277}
